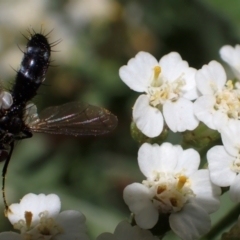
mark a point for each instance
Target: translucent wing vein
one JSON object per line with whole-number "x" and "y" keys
{"x": 74, "y": 118}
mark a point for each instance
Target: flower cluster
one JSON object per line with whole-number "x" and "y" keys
{"x": 170, "y": 86}
{"x": 178, "y": 97}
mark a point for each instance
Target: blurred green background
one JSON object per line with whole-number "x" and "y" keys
{"x": 98, "y": 37}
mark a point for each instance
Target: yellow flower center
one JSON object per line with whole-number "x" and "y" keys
{"x": 45, "y": 228}
{"x": 228, "y": 100}
{"x": 172, "y": 191}
{"x": 235, "y": 166}
{"x": 161, "y": 89}
{"x": 28, "y": 218}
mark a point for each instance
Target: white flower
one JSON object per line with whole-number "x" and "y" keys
{"x": 174, "y": 186}
{"x": 224, "y": 161}
{"x": 232, "y": 57}
{"x": 39, "y": 217}
{"x": 124, "y": 231}
{"x": 220, "y": 102}
{"x": 169, "y": 86}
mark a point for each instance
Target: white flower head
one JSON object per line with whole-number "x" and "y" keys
{"x": 169, "y": 86}
{"x": 224, "y": 161}
{"x": 231, "y": 55}
{"x": 220, "y": 100}
{"x": 124, "y": 231}
{"x": 39, "y": 217}
{"x": 174, "y": 186}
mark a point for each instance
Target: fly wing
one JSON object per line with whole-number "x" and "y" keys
{"x": 74, "y": 118}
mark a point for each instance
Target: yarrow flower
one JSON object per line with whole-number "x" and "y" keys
{"x": 124, "y": 231}
{"x": 224, "y": 161}
{"x": 231, "y": 56}
{"x": 169, "y": 86}
{"x": 39, "y": 217}
{"x": 220, "y": 103}
{"x": 175, "y": 187}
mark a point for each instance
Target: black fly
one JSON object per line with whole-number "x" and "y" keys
{"x": 18, "y": 118}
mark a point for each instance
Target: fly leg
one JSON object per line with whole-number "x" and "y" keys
{"x": 4, "y": 172}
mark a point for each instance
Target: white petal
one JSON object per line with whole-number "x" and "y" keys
{"x": 172, "y": 66}
{"x": 190, "y": 90}
{"x": 140, "y": 234}
{"x": 210, "y": 78}
{"x": 73, "y": 223}
{"x": 169, "y": 155}
{"x": 204, "y": 110}
{"x": 191, "y": 222}
{"x": 35, "y": 204}
{"x": 107, "y": 236}
{"x": 138, "y": 71}
{"x": 139, "y": 200}
{"x": 152, "y": 158}
{"x": 219, "y": 162}
{"x": 10, "y": 236}
{"x": 179, "y": 115}
{"x": 147, "y": 217}
{"x": 147, "y": 118}
{"x": 228, "y": 54}
{"x": 207, "y": 194}
{"x": 188, "y": 161}
{"x": 235, "y": 189}
{"x": 230, "y": 137}
{"x": 137, "y": 197}
{"x": 220, "y": 120}
{"x": 232, "y": 56}
{"x": 124, "y": 231}
{"x": 149, "y": 158}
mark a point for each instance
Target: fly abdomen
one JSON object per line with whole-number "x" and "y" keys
{"x": 32, "y": 70}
